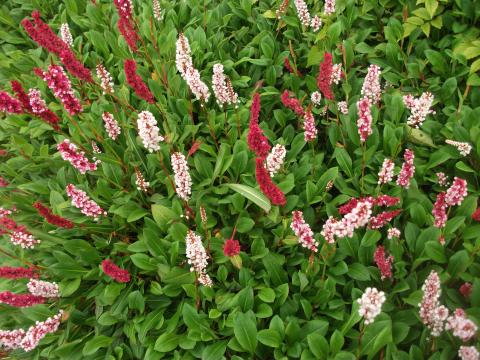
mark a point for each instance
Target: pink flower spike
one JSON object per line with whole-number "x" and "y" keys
{"x": 439, "y": 211}
{"x": 9, "y": 104}
{"x": 303, "y": 232}
{"x": 457, "y": 192}
{"x": 82, "y": 202}
{"x": 77, "y": 158}
{"x": 183, "y": 181}
{"x": 310, "y": 133}
{"x": 371, "y": 88}
{"x": 111, "y": 125}
{"x": 364, "y": 122}
{"x": 136, "y": 82}
{"x": 384, "y": 263}
{"x": 433, "y": 314}
{"x": 408, "y": 169}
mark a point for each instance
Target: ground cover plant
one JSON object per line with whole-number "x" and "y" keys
{"x": 239, "y": 179}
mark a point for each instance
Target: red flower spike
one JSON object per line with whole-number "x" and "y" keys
{"x": 20, "y": 300}
{"x": 325, "y": 76}
{"x": 113, "y": 271}
{"x": 267, "y": 186}
{"x": 292, "y": 103}
{"x": 257, "y": 142}
{"x": 8, "y": 272}
{"x": 51, "y": 218}
{"x": 21, "y": 95}
{"x": 476, "y": 215}
{"x": 136, "y": 82}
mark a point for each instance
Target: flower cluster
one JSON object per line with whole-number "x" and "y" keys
{"x": 149, "y": 131}
{"x": 302, "y": 12}
{"x": 386, "y": 172}
{"x": 142, "y": 185}
{"x": 329, "y": 7}
{"x": 28, "y": 340}
{"x": 51, "y": 218}
{"x": 22, "y": 96}
{"x": 292, "y": 103}
{"x": 468, "y": 353}
{"x": 41, "y": 33}
{"x": 316, "y": 23}
{"x": 59, "y": 83}
{"x": 457, "y": 192}
{"x": 231, "y": 247}
{"x": 113, "y": 271}
{"x": 8, "y": 272}
{"x": 461, "y": 327}
{"x": 371, "y": 88}
{"x": 393, "y": 233}
{"x": 324, "y": 79}
{"x": 275, "y": 159}
{"x": 157, "y": 10}
{"x": 384, "y": 263}
{"x": 336, "y": 74}
{"x": 197, "y": 257}
{"x": 222, "y": 87}
{"x": 136, "y": 82}
{"x": 187, "y": 70}
{"x": 408, "y": 169}
{"x": 106, "y": 80}
{"x": 371, "y": 304}
{"x": 303, "y": 232}
{"x": 43, "y": 288}
{"x": 257, "y": 142}
{"x": 111, "y": 125}
{"x": 343, "y": 107}
{"x": 77, "y": 158}
{"x": 442, "y": 179}
{"x": 276, "y": 196}
{"x": 364, "y": 122}
{"x": 66, "y": 35}
{"x": 439, "y": 211}
{"x": 9, "y": 104}
{"x": 463, "y": 148}
{"x": 310, "y": 133}
{"x": 282, "y": 9}
{"x": 20, "y": 300}
{"x": 419, "y": 108}
{"x": 183, "y": 181}
{"x": 433, "y": 314}
{"x": 316, "y": 97}
{"x": 82, "y": 202}
{"x": 126, "y": 24}
{"x": 18, "y": 233}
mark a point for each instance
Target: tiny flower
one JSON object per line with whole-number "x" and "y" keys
{"x": 343, "y": 107}
{"x": 457, "y": 192}
{"x": 468, "y": 353}
{"x": 66, "y": 35}
{"x": 382, "y": 219}
{"x": 43, "y": 288}
{"x": 303, "y": 232}
{"x": 408, "y": 169}
{"x": 38, "y": 331}
{"x": 223, "y": 93}
{"x": 316, "y": 23}
{"x": 364, "y": 122}
{"x": 371, "y": 304}
{"x": 371, "y": 88}
{"x": 111, "y": 125}
{"x": 386, "y": 172}
{"x": 197, "y": 257}
{"x": 23, "y": 239}
{"x": 310, "y": 133}
{"x": 419, "y": 108}
{"x": 149, "y": 131}
{"x": 82, "y": 202}
{"x": 463, "y": 147}
{"x": 203, "y": 215}
{"x": 116, "y": 273}
{"x": 183, "y": 181}
{"x": 384, "y": 263}
{"x": 95, "y": 148}
{"x": 329, "y": 230}
{"x": 106, "y": 80}
{"x": 393, "y": 233}
{"x": 302, "y": 12}
{"x": 77, "y": 158}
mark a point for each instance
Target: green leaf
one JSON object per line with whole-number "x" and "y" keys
{"x": 162, "y": 215}
{"x": 214, "y": 351}
{"x": 344, "y": 160}
{"x": 167, "y": 342}
{"x": 252, "y": 194}
{"x": 269, "y": 338}
{"x": 245, "y": 330}
{"x": 458, "y": 263}
{"x": 194, "y": 321}
{"x": 318, "y": 345}
{"x": 98, "y": 342}
{"x": 358, "y": 272}
{"x": 435, "y": 251}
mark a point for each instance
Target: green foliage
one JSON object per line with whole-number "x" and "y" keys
{"x": 272, "y": 302}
